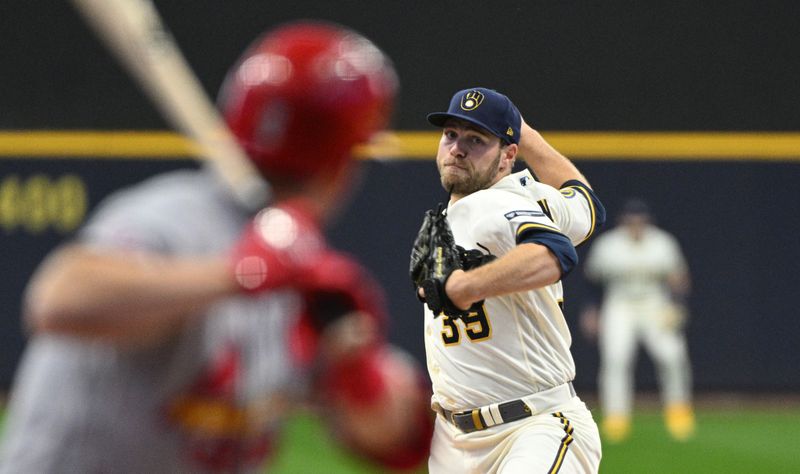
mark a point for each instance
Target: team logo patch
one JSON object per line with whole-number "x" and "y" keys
{"x": 513, "y": 214}
{"x": 471, "y": 100}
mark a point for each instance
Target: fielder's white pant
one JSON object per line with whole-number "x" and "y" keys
{"x": 542, "y": 443}
{"x": 625, "y": 323}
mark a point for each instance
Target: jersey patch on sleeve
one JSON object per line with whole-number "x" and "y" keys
{"x": 573, "y": 188}
{"x": 529, "y": 213}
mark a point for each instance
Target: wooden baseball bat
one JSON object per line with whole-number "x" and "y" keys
{"x": 135, "y": 33}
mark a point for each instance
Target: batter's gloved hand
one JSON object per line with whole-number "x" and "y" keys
{"x": 434, "y": 257}
{"x": 377, "y": 404}
{"x": 338, "y": 284}
{"x": 279, "y": 246}
{"x": 344, "y": 308}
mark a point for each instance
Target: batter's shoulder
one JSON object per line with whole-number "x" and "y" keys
{"x": 181, "y": 209}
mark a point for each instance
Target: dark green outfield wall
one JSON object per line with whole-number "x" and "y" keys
{"x": 696, "y": 66}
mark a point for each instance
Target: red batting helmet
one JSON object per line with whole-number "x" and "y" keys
{"x": 303, "y": 95}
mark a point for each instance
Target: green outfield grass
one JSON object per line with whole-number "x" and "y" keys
{"x": 727, "y": 441}
{"x": 307, "y": 448}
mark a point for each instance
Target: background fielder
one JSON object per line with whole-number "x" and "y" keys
{"x": 501, "y": 369}
{"x": 646, "y": 282}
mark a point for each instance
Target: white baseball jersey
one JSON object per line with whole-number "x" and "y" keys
{"x": 516, "y": 344}
{"x": 635, "y": 269}
{"x": 637, "y": 307}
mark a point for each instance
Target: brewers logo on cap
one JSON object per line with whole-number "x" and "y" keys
{"x": 484, "y": 108}
{"x": 471, "y": 100}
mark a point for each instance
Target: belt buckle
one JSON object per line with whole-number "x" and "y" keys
{"x": 464, "y": 429}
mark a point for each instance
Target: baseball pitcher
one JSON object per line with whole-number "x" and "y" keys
{"x": 488, "y": 266}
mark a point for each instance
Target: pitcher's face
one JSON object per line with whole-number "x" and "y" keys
{"x": 469, "y": 158}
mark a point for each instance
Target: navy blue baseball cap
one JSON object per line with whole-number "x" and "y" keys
{"x": 635, "y": 206}
{"x": 485, "y": 108}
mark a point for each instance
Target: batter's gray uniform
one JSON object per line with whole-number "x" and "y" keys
{"x": 208, "y": 399}
{"x": 515, "y": 348}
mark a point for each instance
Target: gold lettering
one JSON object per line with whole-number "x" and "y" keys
{"x": 35, "y": 210}
{"x": 73, "y": 202}
{"x": 9, "y": 202}
{"x": 40, "y": 203}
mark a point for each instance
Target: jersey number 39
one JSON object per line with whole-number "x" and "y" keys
{"x": 476, "y": 327}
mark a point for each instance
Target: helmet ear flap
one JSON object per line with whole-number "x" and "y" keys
{"x": 303, "y": 95}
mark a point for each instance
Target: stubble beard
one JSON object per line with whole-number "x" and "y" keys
{"x": 475, "y": 181}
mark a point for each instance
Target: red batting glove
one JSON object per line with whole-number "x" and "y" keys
{"x": 279, "y": 246}
{"x": 344, "y": 310}
{"x": 378, "y": 405}
{"x": 336, "y": 284}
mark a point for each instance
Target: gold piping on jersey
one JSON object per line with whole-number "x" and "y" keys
{"x": 593, "y": 212}
{"x": 534, "y": 225}
{"x": 565, "y": 442}
{"x": 545, "y": 208}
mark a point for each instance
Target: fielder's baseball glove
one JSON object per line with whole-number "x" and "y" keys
{"x": 434, "y": 257}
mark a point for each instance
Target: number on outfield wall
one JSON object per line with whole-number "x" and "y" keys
{"x": 476, "y": 327}
{"x": 40, "y": 202}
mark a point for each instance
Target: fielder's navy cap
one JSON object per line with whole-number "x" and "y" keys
{"x": 485, "y": 108}
{"x": 635, "y": 206}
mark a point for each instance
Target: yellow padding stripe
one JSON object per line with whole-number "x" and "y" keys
{"x": 677, "y": 145}
{"x": 410, "y": 145}
{"x": 96, "y": 144}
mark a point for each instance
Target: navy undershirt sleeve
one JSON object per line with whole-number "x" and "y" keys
{"x": 558, "y": 243}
